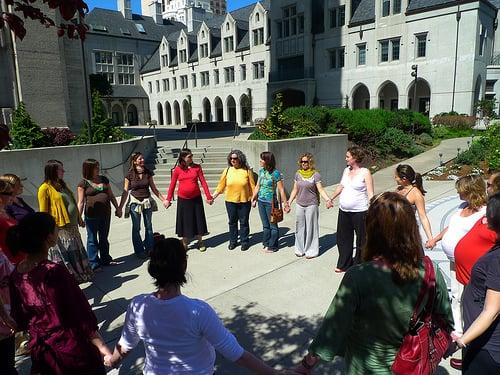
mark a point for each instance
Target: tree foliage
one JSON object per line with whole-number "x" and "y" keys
{"x": 32, "y": 9}
{"x": 99, "y": 83}
{"x": 25, "y": 133}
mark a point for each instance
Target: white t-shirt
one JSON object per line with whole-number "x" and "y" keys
{"x": 457, "y": 228}
{"x": 354, "y": 195}
{"x": 179, "y": 335}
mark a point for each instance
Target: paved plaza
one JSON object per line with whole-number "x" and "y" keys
{"x": 273, "y": 303}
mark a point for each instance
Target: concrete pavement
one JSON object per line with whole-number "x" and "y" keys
{"x": 273, "y": 303}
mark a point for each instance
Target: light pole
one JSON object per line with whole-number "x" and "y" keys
{"x": 414, "y": 74}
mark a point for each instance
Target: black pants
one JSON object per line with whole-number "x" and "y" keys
{"x": 348, "y": 224}
{"x": 238, "y": 212}
{"x": 7, "y": 353}
{"x": 479, "y": 362}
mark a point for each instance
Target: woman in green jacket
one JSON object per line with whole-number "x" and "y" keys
{"x": 370, "y": 313}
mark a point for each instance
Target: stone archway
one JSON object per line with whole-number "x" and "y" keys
{"x": 160, "y": 113}
{"x": 423, "y": 96}
{"x": 117, "y": 115}
{"x": 207, "y": 110}
{"x": 388, "y": 96}
{"x": 231, "y": 108}
{"x": 186, "y": 111}
{"x": 219, "y": 109}
{"x": 132, "y": 117}
{"x": 168, "y": 113}
{"x": 177, "y": 113}
{"x": 246, "y": 109}
{"x": 360, "y": 97}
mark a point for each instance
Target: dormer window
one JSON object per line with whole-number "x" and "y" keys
{"x": 204, "y": 50}
{"x": 182, "y": 41}
{"x": 182, "y": 56}
{"x": 391, "y": 5}
{"x": 227, "y": 26}
{"x": 229, "y": 44}
{"x": 258, "y": 36}
{"x": 257, "y": 17}
{"x": 203, "y": 33}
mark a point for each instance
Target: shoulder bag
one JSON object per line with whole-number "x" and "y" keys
{"x": 276, "y": 212}
{"x": 428, "y": 337}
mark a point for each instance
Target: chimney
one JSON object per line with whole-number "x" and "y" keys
{"x": 125, "y": 8}
{"x": 155, "y": 12}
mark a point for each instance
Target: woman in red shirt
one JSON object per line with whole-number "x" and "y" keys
{"x": 6, "y": 197}
{"x": 191, "y": 221}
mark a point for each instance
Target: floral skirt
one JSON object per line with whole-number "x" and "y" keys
{"x": 70, "y": 252}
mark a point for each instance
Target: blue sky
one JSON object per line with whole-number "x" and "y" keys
{"x": 136, "y": 4}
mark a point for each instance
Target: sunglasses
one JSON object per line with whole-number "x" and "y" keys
{"x": 233, "y": 158}
{"x": 6, "y": 194}
{"x": 304, "y": 161}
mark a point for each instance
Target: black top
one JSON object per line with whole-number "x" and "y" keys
{"x": 97, "y": 202}
{"x": 485, "y": 275}
{"x": 139, "y": 187}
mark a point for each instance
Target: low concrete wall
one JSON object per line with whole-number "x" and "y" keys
{"x": 328, "y": 150}
{"x": 111, "y": 156}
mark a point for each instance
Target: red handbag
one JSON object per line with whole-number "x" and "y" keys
{"x": 428, "y": 338}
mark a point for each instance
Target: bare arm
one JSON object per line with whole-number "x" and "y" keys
{"x": 155, "y": 189}
{"x": 369, "y": 184}
{"x": 123, "y": 199}
{"x": 98, "y": 342}
{"x": 255, "y": 365}
{"x": 337, "y": 192}
{"x": 256, "y": 191}
{"x": 293, "y": 194}
{"x": 281, "y": 189}
{"x": 118, "y": 354}
{"x": 81, "y": 199}
{"x": 422, "y": 214}
{"x": 322, "y": 191}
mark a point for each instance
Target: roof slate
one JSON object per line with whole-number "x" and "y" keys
{"x": 153, "y": 63}
{"x": 364, "y": 13}
{"x": 129, "y": 91}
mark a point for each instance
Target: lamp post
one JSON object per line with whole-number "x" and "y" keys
{"x": 414, "y": 74}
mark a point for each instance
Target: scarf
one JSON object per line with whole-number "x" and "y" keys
{"x": 306, "y": 173}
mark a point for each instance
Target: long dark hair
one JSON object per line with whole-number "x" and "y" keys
{"x": 51, "y": 176}
{"x": 168, "y": 262}
{"x": 30, "y": 234}
{"x": 493, "y": 214}
{"x": 406, "y": 172}
{"x": 180, "y": 160}
{"x": 269, "y": 160}
{"x": 392, "y": 234}
{"x": 88, "y": 167}
{"x": 131, "y": 167}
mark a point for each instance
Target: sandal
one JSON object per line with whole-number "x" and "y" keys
{"x": 201, "y": 246}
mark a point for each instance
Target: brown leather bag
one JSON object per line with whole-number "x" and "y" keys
{"x": 276, "y": 212}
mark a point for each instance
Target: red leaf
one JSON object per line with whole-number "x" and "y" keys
{"x": 16, "y": 24}
{"x": 67, "y": 10}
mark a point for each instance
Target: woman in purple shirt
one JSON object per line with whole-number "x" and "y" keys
{"x": 18, "y": 208}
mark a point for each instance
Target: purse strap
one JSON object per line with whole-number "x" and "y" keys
{"x": 428, "y": 288}
{"x": 274, "y": 195}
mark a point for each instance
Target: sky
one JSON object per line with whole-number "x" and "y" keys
{"x": 136, "y": 4}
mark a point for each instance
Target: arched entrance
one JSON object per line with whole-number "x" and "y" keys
{"x": 160, "y": 114}
{"x": 231, "y": 108}
{"x": 168, "y": 113}
{"x": 292, "y": 98}
{"x": 132, "y": 118}
{"x": 186, "y": 111}
{"x": 361, "y": 97}
{"x": 219, "y": 109}
{"x": 388, "y": 96}
{"x": 207, "y": 110}
{"x": 423, "y": 96}
{"x": 177, "y": 113}
{"x": 117, "y": 115}
{"x": 246, "y": 109}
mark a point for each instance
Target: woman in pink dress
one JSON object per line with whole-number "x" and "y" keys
{"x": 47, "y": 302}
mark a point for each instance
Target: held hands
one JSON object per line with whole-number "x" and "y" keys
{"x": 254, "y": 203}
{"x": 329, "y": 204}
{"x": 167, "y": 203}
{"x": 118, "y": 212}
{"x": 210, "y": 201}
{"x": 81, "y": 223}
{"x": 287, "y": 208}
{"x": 430, "y": 244}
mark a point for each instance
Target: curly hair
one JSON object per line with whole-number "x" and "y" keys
{"x": 309, "y": 157}
{"x": 472, "y": 188}
{"x": 241, "y": 157}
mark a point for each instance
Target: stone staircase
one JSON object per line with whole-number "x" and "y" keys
{"x": 212, "y": 159}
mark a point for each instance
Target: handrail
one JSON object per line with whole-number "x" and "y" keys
{"x": 236, "y": 130}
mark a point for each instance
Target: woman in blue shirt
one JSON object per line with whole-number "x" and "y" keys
{"x": 270, "y": 181}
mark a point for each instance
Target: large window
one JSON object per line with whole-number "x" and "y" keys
{"x": 482, "y": 40}
{"x": 205, "y": 78}
{"x": 389, "y": 49}
{"x": 184, "y": 82}
{"x": 204, "y": 50}
{"x": 229, "y": 74}
{"x": 193, "y": 79}
{"x": 258, "y": 70}
{"x": 216, "y": 76}
{"x": 421, "y": 45}
{"x": 291, "y": 23}
{"x": 104, "y": 65}
{"x": 258, "y": 36}
{"x": 337, "y": 17}
{"x": 229, "y": 44}
{"x": 337, "y": 58}
{"x": 125, "y": 68}
{"x": 243, "y": 72}
{"x": 182, "y": 56}
{"x": 386, "y": 8}
{"x": 166, "y": 85}
{"x": 361, "y": 54}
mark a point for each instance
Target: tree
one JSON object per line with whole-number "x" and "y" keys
{"x": 69, "y": 9}
{"x": 275, "y": 126}
{"x": 25, "y": 132}
{"x": 99, "y": 83}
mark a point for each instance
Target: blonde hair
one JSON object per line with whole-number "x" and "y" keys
{"x": 10, "y": 178}
{"x": 5, "y": 187}
{"x": 495, "y": 184}
{"x": 309, "y": 157}
{"x": 473, "y": 190}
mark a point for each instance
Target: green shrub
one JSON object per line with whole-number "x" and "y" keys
{"x": 425, "y": 139}
{"x": 410, "y": 121}
{"x": 474, "y": 155}
{"x": 257, "y": 135}
{"x": 25, "y": 133}
{"x": 319, "y": 115}
{"x": 492, "y": 138}
{"x": 397, "y": 142}
{"x": 302, "y": 128}
{"x": 442, "y": 132}
{"x": 458, "y": 122}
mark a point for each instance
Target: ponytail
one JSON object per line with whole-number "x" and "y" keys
{"x": 406, "y": 172}
{"x": 419, "y": 183}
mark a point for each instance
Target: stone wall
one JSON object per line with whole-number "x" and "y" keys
{"x": 113, "y": 158}
{"x": 328, "y": 151}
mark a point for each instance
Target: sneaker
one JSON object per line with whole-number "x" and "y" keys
{"x": 232, "y": 246}
{"x": 245, "y": 246}
{"x": 456, "y": 363}
{"x": 202, "y": 247}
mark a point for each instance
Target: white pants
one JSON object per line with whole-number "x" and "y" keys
{"x": 457, "y": 290}
{"x": 307, "y": 230}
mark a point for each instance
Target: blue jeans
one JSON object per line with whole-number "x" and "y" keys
{"x": 270, "y": 233}
{"x": 238, "y": 212}
{"x": 97, "y": 240}
{"x": 139, "y": 246}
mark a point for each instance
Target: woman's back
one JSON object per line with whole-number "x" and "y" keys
{"x": 179, "y": 335}
{"x": 370, "y": 315}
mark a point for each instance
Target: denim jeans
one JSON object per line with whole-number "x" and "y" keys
{"x": 238, "y": 212}
{"x": 139, "y": 246}
{"x": 97, "y": 240}
{"x": 270, "y": 234}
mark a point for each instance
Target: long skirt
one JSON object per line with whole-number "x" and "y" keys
{"x": 70, "y": 252}
{"x": 191, "y": 221}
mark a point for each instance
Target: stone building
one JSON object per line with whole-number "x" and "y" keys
{"x": 218, "y": 71}
{"x": 361, "y": 53}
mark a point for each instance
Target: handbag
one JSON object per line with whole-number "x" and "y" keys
{"x": 276, "y": 212}
{"x": 428, "y": 337}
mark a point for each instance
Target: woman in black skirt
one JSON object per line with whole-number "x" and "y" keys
{"x": 191, "y": 220}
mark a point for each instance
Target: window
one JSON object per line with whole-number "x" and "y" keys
{"x": 258, "y": 36}
{"x": 229, "y": 74}
{"x": 216, "y": 76}
{"x": 184, "y": 82}
{"x": 337, "y": 17}
{"x": 104, "y": 65}
{"x": 396, "y": 6}
{"x": 182, "y": 56}
{"x": 421, "y": 45}
{"x": 166, "y": 86}
{"x": 482, "y": 40}
{"x": 125, "y": 69}
{"x": 140, "y": 28}
{"x": 395, "y": 43}
{"x": 257, "y": 17}
{"x": 279, "y": 26}
{"x": 361, "y": 54}
{"x": 389, "y": 49}
{"x": 204, "y": 50}
{"x": 243, "y": 72}
{"x": 193, "y": 79}
{"x": 384, "y": 51}
{"x": 337, "y": 58}
{"x": 490, "y": 85}
{"x": 229, "y": 44}
{"x": 292, "y": 23}
{"x": 258, "y": 70}
{"x": 174, "y": 83}
{"x": 164, "y": 61}
{"x": 150, "y": 87}
{"x": 386, "y": 8}
{"x": 157, "y": 86}
{"x": 205, "y": 78}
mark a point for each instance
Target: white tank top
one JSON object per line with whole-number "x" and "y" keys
{"x": 458, "y": 227}
{"x": 354, "y": 196}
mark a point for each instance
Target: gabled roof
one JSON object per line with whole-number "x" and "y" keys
{"x": 423, "y": 4}
{"x": 129, "y": 91}
{"x": 244, "y": 43}
{"x": 153, "y": 63}
{"x": 495, "y": 3}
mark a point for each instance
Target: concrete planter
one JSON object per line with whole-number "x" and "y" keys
{"x": 328, "y": 150}
{"x": 112, "y": 157}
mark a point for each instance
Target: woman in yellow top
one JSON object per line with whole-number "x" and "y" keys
{"x": 55, "y": 198}
{"x": 238, "y": 182}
